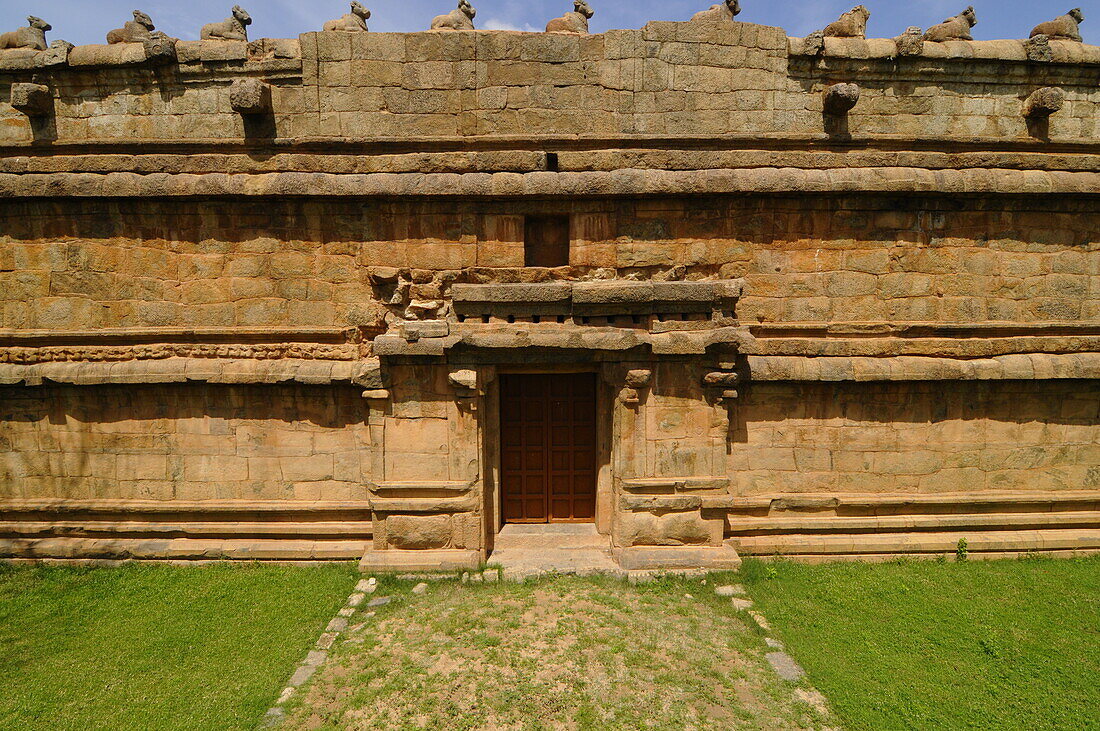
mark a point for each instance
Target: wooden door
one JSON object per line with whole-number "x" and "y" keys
{"x": 548, "y": 448}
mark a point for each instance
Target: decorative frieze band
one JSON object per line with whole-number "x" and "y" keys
{"x": 99, "y": 354}
{"x": 363, "y": 373}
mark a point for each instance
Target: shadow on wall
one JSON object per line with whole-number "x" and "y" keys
{"x": 81, "y": 407}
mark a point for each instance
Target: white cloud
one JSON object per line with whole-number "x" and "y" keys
{"x": 498, "y": 24}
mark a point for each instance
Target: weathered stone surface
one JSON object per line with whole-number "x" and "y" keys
{"x": 419, "y": 532}
{"x": 34, "y": 100}
{"x": 250, "y": 96}
{"x": 841, "y": 98}
{"x": 1044, "y": 102}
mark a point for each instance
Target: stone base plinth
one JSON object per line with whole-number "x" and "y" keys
{"x": 656, "y": 558}
{"x": 445, "y": 560}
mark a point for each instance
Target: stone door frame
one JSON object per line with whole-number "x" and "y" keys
{"x": 490, "y": 424}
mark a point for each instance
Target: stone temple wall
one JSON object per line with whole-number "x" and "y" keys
{"x": 225, "y": 466}
{"x": 83, "y": 265}
{"x": 256, "y": 298}
{"x": 669, "y": 79}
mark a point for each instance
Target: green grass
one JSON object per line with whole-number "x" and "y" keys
{"x": 928, "y": 645}
{"x": 154, "y": 647}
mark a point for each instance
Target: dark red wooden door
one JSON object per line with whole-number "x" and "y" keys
{"x": 548, "y": 448}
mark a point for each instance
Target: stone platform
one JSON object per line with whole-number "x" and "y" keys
{"x": 563, "y": 548}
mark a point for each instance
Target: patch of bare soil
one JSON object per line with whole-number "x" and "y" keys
{"x": 564, "y": 653}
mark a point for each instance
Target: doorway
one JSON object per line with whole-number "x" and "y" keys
{"x": 548, "y": 448}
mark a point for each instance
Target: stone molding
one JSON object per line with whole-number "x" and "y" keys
{"x": 191, "y": 370}
{"x": 1034, "y": 366}
{"x": 887, "y": 503}
{"x": 583, "y": 184}
{"x": 99, "y": 354}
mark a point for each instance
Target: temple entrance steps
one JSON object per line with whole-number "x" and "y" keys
{"x": 523, "y": 550}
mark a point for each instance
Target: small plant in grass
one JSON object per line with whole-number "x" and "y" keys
{"x": 962, "y": 552}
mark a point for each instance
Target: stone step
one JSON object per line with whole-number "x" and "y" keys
{"x": 210, "y": 529}
{"x": 1008, "y": 541}
{"x": 180, "y": 549}
{"x": 895, "y": 523}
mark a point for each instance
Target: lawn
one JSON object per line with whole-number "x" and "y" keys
{"x": 157, "y": 647}
{"x": 926, "y": 645}
{"x": 565, "y": 652}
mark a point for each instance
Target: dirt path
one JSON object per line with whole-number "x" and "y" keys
{"x": 564, "y": 653}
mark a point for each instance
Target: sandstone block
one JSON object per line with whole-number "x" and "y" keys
{"x": 418, "y": 532}
{"x": 34, "y": 100}
{"x": 250, "y": 96}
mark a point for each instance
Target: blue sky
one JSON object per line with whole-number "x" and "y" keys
{"x": 87, "y": 21}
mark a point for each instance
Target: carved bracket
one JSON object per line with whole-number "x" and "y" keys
{"x": 1044, "y": 102}
{"x": 636, "y": 380}
{"x": 464, "y": 383}
{"x": 721, "y": 386}
{"x": 250, "y": 97}
{"x": 34, "y": 100}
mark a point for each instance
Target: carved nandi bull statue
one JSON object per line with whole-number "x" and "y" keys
{"x": 1063, "y": 28}
{"x": 32, "y": 36}
{"x": 133, "y": 31}
{"x": 954, "y": 29}
{"x": 852, "y": 24}
{"x": 233, "y": 28}
{"x": 574, "y": 22}
{"x": 461, "y": 18}
{"x": 354, "y": 21}
{"x": 723, "y": 11}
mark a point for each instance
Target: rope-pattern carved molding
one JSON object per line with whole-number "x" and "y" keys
{"x": 588, "y": 184}
{"x": 364, "y": 373}
{"x": 160, "y": 352}
{"x": 99, "y": 354}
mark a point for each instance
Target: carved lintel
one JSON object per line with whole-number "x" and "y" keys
{"x": 250, "y": 96}
{"x": 34, "y": 100}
